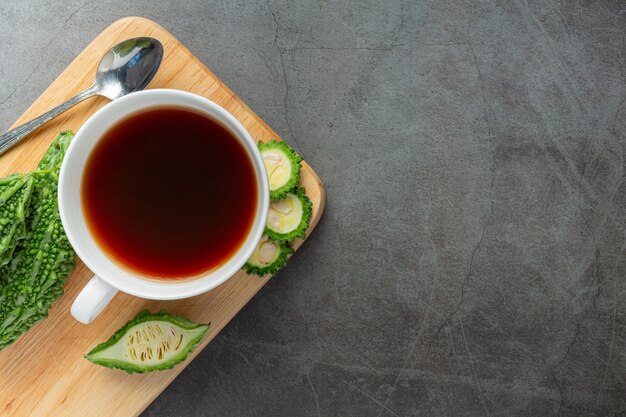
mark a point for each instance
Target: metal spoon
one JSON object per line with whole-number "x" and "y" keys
{"x": 128, "y": 66}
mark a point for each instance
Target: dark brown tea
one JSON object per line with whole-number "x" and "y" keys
{"x": 169, "y": 193}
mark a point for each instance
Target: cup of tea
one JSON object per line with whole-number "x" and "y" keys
{"x": 164, "y": 195}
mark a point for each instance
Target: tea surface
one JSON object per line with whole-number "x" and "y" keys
{"x": 169, "y": 193}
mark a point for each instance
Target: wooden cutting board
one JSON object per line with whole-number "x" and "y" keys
{"x": 44, "y": 373}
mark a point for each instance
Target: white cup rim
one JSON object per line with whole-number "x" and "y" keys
{"x": 71, "y": 208}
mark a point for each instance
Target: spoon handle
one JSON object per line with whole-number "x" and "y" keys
{"x": 13, "y": 136}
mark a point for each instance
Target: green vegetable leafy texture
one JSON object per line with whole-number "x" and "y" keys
{"x": 15, "y": 193}
{"x": 35, "y": 255}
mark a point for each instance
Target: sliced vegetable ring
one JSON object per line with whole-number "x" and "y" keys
{"x": 149, "y": 342}
{"x": 282, "y": 165}
{"x": 268, "y": 257}
{"x": 288, "y": 217}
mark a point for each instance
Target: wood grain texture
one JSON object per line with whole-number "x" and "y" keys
{"x": 44, "y": 373}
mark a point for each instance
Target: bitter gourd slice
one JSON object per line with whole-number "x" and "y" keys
{"x": 268, "y": 257}
{"x": 149, "y": 342}
{"x": 282, "y": 165}
{"x": 288, "y": 217}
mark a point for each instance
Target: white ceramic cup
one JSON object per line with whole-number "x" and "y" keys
{"x": 110, "y": 277}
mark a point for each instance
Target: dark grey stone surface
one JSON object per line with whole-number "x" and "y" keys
{"x": 471, "y": 258}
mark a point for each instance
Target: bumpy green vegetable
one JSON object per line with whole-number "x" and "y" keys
{"x": 15, "y": 193}
{"x": 56, "y": 152}
{"x": 43, "y": 260}
{"x": 149, "y": 342}
{"x": 268, "y": 257}
{"x": 288, "y": 218}
{"x": 282, "y": 165}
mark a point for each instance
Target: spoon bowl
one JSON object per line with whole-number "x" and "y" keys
{"x": 128, "y": 67}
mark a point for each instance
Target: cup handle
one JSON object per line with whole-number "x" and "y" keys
{"x": 92, "y": 300}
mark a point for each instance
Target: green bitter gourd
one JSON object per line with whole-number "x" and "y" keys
{"x": 15, "y": 193}
{"x": 149, "y": 342}
{"x": 268, "y": 257}
{"x": 43, "y": 260}
{"x": 282, "y": 165}
{"x": 288, "y": 217}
